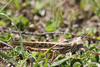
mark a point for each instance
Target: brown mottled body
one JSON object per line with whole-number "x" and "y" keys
{"x": 39, "y": 44}
{"x": 43, "y": 46}
{"x": 58, "y": 48}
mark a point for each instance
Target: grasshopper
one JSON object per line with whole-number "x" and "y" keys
{"x": 44, "y": 46}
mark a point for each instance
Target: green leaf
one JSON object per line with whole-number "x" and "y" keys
{"x": 83, "y": 3}
{"x": 18, "y": 49}
{"x": 60, "y": 62}
{"x": 93, "y": 47}
{"x": 67, "y": 36}
{"x": 77, "y": 64}
{"x": 94, "y": 29}
{"x": 49, "y": 22}
{"x": 38, "y": 36}
{"x": 39, "y": 5}
{"x": 93, "y": 60}
{"x": 49, "y": 28}
{"x": 34, "y": 54}
{"x": 93, "y": 65}
{"x": 53, "y": 26}
{"x": 24, "y": 20}
{"x": 85, "y": 43}
{"x": 98, "y": 37}
{"x": 7, "y": 37}
{"x": 17, "y": 4}
{"x": 8, "y": 58}
{"x": 55, "y": 40}
{"x": 1, "y": 23}
{"x": 2, "y": 38}
{"x": 56, "y": 24}
{"x": 13, "y": 54}
{"x": 88, "y": 54}
{"x": 21, "y": 22}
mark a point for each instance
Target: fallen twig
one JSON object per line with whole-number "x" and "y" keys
{"x": 41, "y": 34}
{"x": 3, "y": 43}
{"x": 6, "y": 49}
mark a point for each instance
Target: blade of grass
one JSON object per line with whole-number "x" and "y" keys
{"x": 46, "y": 61}
{"x": 24, "y": 62}
{"x": 17, "y": 4}
{"x": 21, "y": 44}
{"x": 53, "y": 10}
{"x": 8, "y": 58}
{"x": 5, "y": 5}
{"x": 38, "y": 59}
{"x": 60, "y": 61}
{"x": 48, "y": 51}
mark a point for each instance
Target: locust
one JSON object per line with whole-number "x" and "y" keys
{"x": 55, "y": 48}
{"x": 46, "y": 47}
